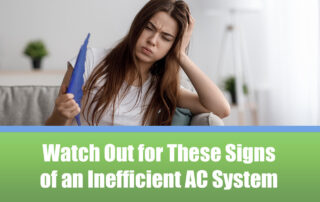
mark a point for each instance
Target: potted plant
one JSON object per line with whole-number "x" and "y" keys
{"x": 230, "y": 86}
{"x": 36, "y": 50}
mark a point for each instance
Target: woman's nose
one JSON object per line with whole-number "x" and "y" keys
{"x": 153, "y": 39}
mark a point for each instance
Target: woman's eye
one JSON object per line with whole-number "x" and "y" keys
{"x": 148, "y": 28}
{"x": 166, "y": 39}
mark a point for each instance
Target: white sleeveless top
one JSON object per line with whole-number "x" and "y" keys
{"x": 128, "y": 111}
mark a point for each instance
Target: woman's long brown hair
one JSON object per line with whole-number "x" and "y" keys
{"x": 121, "y": 63}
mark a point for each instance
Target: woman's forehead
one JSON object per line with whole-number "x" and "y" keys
{"x": 165, "y": 23}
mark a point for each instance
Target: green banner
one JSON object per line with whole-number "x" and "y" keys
{"x": 160, "y": 166}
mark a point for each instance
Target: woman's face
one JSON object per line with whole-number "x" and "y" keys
{"x": 156, "y": 39}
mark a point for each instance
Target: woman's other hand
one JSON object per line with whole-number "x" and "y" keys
{"x": 187, "y": 34}
{"x": 65, "y": 106}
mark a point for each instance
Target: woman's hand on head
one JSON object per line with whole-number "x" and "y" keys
{"x": 187, "y": 35}
{"x": 66, "y": 107}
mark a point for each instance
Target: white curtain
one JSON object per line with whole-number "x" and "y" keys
{"x": 283, "y": 47}
{"x": 292, "y": 61}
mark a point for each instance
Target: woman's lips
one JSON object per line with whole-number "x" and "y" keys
{"x": 146, "y": 51}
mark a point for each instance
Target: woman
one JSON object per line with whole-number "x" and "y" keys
{"x": 137, "y": 82}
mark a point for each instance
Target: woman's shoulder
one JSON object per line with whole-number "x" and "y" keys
{"x": 96, "y": 55}
{"x": 98, "y": 52}
{"x": 93, "y": 57}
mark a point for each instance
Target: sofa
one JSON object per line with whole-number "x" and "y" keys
{"x": 32, "y": 105}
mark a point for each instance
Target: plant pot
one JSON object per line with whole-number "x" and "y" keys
{"x": 36, "y": 64}
{"x": 233, "y": 98}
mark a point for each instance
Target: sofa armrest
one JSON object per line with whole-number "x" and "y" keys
{"x": 26, "y": 105}
{"x": 206, "y": 119}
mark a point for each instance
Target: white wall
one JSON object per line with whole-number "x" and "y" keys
{"x": 62, "y": 25}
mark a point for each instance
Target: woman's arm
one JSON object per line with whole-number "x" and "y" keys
{"x": 209, "y": 98}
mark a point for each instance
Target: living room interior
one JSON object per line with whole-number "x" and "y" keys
{"x": 263, "y": 53}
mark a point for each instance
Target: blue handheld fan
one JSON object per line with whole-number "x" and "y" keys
{"x": 76, "y": 82}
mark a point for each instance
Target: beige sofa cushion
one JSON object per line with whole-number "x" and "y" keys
{"x": 32, "y": 105}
